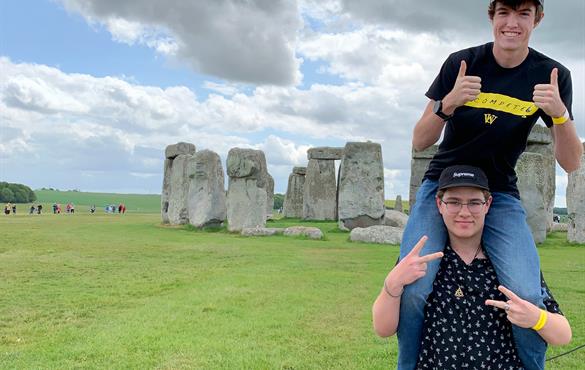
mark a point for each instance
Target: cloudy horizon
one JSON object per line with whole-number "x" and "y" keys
{"x": 91, "y": 92}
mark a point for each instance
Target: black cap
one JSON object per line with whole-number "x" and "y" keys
{"x": 463, "y": 175}
{"x": 538, "y": 1}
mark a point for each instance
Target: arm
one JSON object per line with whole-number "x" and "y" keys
{"x": 429, "y": 127}
{"x": 386, "y": 308}
{"x": 568, "y": 147}
{"x": 524, "y": 314}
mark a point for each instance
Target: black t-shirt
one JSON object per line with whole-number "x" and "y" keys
{"x": 460, "y": 331}
{"x": 491, "y": 132}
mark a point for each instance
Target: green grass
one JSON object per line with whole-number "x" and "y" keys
{"x": 144, "y": 203}
{"x": 389, "y": 203}
{"x": 97, "y": 291}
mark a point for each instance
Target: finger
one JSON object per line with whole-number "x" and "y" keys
{"x": 554, "y": 77}
{"x": 510, "y": 294}
{"x": 472, "y": 79}
{"x": 462, "y": 69}
{"x": 497, "y": 304}
{"x": 417, "y": 248}
{"x": 542, "y": 87}
{"x": 431, "y": 257}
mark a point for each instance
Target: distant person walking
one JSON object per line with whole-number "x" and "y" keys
{"x": 7, "y": 207}
{"x": 32, "y": 209}
{"x": 92, "y": 209}
{"x": 14, "y": 209}
{"x": 39, "y": 208}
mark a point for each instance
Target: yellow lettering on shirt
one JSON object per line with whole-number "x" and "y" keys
{"x": 503, "y": 103}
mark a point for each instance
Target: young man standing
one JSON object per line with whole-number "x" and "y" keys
{"x": 461, "y": 327}
{"x": 487, "y": 99}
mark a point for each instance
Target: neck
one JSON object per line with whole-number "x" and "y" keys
{"x": 466, "y": 248}
{"x": 509, "y": 59}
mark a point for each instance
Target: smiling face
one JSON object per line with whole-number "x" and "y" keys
{"x": 512, "y": 27}
{"x": 464, "y": 224}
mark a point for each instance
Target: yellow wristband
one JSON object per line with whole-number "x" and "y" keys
{"x": 541, "y": 320}
{"x": 562, "y": 119}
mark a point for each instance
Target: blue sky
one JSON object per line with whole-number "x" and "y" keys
{"x": 92, "y": 91}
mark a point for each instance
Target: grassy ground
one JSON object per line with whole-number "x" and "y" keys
{"x": 121, "y": 291}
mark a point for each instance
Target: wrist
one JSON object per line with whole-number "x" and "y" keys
{"x": 393, "y": 289}
{"x": 559, "y": 120}
{"x": 448, "y": 105}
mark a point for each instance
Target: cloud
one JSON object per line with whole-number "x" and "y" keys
{"x": 246, "y": 41}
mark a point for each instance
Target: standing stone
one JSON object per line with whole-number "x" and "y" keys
{"x": 361, "y": 186}
{"x": 247, "y": 196}
{"x": 398, "y": 203}
{"x": 531, "y": 184}
{"x": 320, "y": 191}
{"x": 418, "y": 167}
{"x": 540, "y": 141}
{"x": 206, "y": 201}
{"x": 576, "y": 204}
{"x": 175, "y": 185}
{"x": 175, "y": 200}
{"x": 293, "y": 200}
{"x": 269, "y": 196}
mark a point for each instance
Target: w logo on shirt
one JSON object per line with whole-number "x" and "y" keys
{"x": 489, "y": 118}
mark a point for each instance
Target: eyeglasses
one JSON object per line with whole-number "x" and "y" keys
{"x": 454, "y": 207}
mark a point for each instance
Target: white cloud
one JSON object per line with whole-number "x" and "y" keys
{"x": 247, "y": 41}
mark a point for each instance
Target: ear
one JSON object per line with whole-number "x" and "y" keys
{"x": 488, "y": 203}
{"x": 537, "y": 21}
{"x": 438, "y": 202}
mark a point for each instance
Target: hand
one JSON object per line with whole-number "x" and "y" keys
{"x": 466, "y": 89}
{"x": 411, "y": 268}
{"x": 519, "y": 312}
{"x": 547, "y": 97}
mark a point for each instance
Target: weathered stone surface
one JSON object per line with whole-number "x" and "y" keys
{"x": 309, "y": 232}
{"x": 320, "y": 191}
{"x": 247, "y": 196}
{"x": 293, "y": 200}
{"x": 540, "y": 141}
{"x": 176, "y": 190}
{"x": 576, "y": 204}
{"x": 398, "y": 203}
{"x": 560, "y": 227}
{"x": 206, "y": 201}
{"x": 325, "y": 152}
{"x": 540, "y": 135}
{"x": 395, "y": 218}
{"x": 418, "y": 167}
{"x": 299, "y": 171}
{"x": 179, "y": 148}
{"x": 377, "y": 234}
{"x": 262, "y": 231}
{"x": 269, "y": 195}
{"x": 531, "y": 184}
{"x": 361, "y": 186}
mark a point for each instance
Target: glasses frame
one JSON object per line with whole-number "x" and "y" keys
{"x": 450, "y": 204}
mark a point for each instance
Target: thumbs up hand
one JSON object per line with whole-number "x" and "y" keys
{"x": 466, "y": 88}
{"x": 547, "y": 97}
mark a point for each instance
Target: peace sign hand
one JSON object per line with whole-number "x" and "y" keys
{"x": 548, "y": 98}
{"x": 412, "y": 267}
{"x": 519, "y": 312}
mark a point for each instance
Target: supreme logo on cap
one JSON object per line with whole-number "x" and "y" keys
{"x": 463, "y": 174}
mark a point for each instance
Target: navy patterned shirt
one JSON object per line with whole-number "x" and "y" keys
{"x": 460, "y": 331}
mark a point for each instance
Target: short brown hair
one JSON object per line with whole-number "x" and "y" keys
{"x": 515, "y": 4}
{"x": 486, "y": 194}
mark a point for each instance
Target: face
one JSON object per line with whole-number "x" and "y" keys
{"x": 463, "y": 223}
{"x": 512, "y": 28}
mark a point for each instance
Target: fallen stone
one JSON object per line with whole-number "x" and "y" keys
{"x": 261, "y": 231}
{"x": 560, "y": 227}
{"x": 395, "y": 218}
{"x": 379, "y": 234}
{"x": 309, "y": 232}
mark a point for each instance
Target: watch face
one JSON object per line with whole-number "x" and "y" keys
{"x": 437, "y": 107}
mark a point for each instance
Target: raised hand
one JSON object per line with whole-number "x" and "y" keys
{"x": 412, "y": 267}
{"x": 519, "y": 312}
{"x": 547, "y": 97}
{"x": 466, "y": 88}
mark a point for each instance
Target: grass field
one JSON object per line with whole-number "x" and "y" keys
{"x": 121, "y": 291}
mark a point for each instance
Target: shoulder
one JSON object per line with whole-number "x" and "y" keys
{"x": 540, "y": 61}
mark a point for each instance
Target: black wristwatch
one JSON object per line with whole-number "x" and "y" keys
{"x": 438, "y": 110}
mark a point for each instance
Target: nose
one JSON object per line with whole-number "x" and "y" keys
{"x": 464, "y": 211}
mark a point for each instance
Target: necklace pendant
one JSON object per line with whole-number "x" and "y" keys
{"x": 459, "y": 292}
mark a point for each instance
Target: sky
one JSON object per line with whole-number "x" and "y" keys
{"x": 92, "y": 91}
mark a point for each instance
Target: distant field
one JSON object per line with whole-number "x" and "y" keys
{"x": 143, "y": 203}
{"x": 123, "y": 292}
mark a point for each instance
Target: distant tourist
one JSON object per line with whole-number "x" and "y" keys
{"x": 71, "y": 208}
{"x": 14, "y": 209}
{"x": 92, "y": 209}
{"x": 7, "y": 208}
{"x": 54, "y": 208}
{"x": 40, "y": 208}
{"x": 32, "y": 209}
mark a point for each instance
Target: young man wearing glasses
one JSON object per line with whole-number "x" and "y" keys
{"x": 468, "y": 316}
{"x": 487, "y": 99}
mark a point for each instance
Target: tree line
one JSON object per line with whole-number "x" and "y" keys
{"x": 16, "y": 193}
